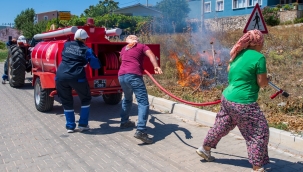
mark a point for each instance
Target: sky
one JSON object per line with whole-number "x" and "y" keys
{"x": 10, "y": 9}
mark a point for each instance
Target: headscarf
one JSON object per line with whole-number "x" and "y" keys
{"x": 251, "y": 38}
{"x": 132, "y": 40}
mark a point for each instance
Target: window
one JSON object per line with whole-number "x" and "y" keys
{"x": 45, "y": 17}
{"x": 220, "y": 5}
{"x": 254, "y": 2}
{"x": 207, "y": 7}
{"x": 284, "y": 2}
{"x": 239, "y": 4}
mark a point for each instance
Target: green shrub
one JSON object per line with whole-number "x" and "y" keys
{"x": 280, "y": 126}
{"x": 275, "y": 56}
{"x": 130, "y": 24}
{"x": 271, "y": 16}
{"x": 287, "y": 7}
{"x": 2, "y": 45}
{"x": 298, "y": 20}
{"x": 287, "y": 22}
{"x": 3, "y": 55}
{"x": 279, "y": 6}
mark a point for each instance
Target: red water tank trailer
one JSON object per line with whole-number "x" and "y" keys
{"x": 46, "y": 56}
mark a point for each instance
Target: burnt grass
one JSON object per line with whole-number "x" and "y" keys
{"x": 191, "y": 73}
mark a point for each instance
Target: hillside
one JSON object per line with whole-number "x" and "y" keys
{"x": 5, "y": 32}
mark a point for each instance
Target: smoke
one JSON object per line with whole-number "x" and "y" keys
{"x": 200, "y": 59}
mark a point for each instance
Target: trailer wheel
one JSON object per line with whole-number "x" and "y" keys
{"x": 112, "y": 99}
{"x": 43, "y": 101}
{"x": 16, "y": 67}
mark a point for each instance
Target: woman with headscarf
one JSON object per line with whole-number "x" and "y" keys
{"x": 131, "y": 81}
{"x": 247, "y": 73}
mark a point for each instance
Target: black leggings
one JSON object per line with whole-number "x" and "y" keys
{"x": 64, "y": 90}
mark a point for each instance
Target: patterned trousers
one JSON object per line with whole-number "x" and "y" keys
{"x": 252, "y": 125}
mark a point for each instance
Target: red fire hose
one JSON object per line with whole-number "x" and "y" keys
{"x": 112, "y": 62}
{"x": 177, "y": 98}
{"x": 285, "y": 94}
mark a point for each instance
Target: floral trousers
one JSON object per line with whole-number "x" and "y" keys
{"x": 252, "y": 125}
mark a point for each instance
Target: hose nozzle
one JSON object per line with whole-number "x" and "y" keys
{"x": 285, "y": 94}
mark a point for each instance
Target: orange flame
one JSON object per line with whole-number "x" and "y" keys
{"x": 189, "y": 69}
{"x": 187, "y": 74}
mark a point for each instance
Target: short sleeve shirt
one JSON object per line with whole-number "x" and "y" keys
{"x": 132, "y": 59}
{"x": 242, "y": 77}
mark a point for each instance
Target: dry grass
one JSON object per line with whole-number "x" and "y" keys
{"x": 283, "y": 50}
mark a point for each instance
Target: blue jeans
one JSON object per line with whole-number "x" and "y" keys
{"x": 130, "y": 84}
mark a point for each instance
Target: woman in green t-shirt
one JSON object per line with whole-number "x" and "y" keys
{"x": 247, "y": 73}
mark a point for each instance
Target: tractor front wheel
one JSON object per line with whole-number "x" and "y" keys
{"x": 43, "y": 101}
{"x": 112, "y": 99}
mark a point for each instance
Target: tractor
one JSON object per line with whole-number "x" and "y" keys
{"x": 18, "y": 63}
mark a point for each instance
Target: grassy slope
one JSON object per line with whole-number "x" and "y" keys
{"x": 3, "y": 55}
{"x": 284, "y": 52}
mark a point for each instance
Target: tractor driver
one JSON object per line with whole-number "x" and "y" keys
{"x": 71, "y": 75}
{"x": 22, "y": 39}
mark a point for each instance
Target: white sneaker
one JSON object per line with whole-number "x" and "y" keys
{"x": 70, "y": 131}
{"x": 259, "y": 170}
{"x": 83, "y": 128}
{"x": 205, "y": 154}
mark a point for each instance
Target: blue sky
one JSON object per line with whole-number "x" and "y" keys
{"x": 10, "y": 9}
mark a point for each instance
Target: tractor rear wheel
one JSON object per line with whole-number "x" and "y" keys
{"x": 112, "y": 99}
{"x": 43, "y": 101}
{"x": 16, "y": 67}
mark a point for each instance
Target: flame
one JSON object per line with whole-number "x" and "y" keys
{"x": 187, "y": 74}
{"x": 180, "y": 69}
{"x": 189, "y": 67}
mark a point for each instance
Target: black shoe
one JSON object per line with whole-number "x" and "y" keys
{"x": 128, "y": 124}
{"x": 143, "y": 136}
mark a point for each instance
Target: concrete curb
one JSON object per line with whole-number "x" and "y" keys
{"x": 280, "y": 139}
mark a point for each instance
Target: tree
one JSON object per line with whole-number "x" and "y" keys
{"x": 174, "y": 12}
{"x": 26, "y": 16}
{"x": 25, "y": 23}
{"x": 29, "y": 29}
{"x": 102, "y": 8}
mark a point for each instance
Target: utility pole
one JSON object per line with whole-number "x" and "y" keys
{"x": 146, "y": 3}
{"x": 202, "y": 15}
